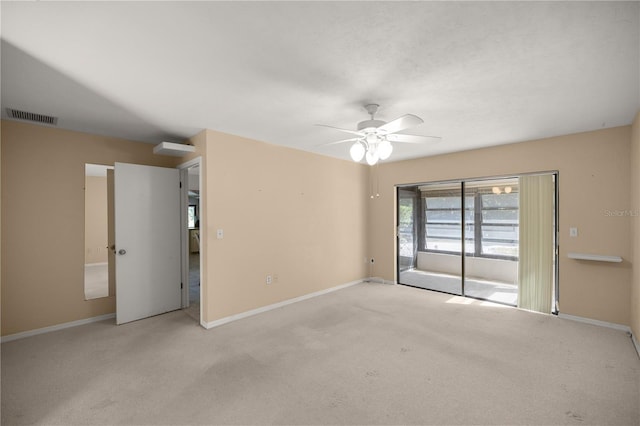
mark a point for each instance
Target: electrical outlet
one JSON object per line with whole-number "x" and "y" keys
{"x": 269, "y": 279}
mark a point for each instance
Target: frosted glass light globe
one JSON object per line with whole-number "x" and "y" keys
{"x": 384, "y": 149}
{"x": 357, "y": 151}
{"x": 372, "y": 156}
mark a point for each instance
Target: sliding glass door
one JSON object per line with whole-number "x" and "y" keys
{"x": 432, "y": 231}
{"x": 491, "y": 263}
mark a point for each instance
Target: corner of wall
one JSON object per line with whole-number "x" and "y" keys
{"x": 635, "y": 225}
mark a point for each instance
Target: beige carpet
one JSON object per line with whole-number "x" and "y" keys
{"x": 368, "y": 354}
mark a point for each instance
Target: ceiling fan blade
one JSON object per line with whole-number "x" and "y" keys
{"x": 355, "y": 132}
{"x": 402, "y": 123}
{"x": 395, "y": 137}
{"x": 341, "y": 141}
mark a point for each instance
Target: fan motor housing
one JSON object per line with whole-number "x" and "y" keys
{"x": 370, "y": 124}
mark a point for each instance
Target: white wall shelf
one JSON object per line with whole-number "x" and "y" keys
{"x": 594, "y": 257}
{"x": 173, "y": 149}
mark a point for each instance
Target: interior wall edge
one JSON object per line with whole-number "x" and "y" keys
{"x": 635, "y": 225}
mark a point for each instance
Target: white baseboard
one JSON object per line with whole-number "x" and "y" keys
{"x": 635, "y": 344}
{"x": 257, "y": 311}
{"x": 380, "y": 280}
{"x": 56, "y": 327}
{"x": 615, "y": 326}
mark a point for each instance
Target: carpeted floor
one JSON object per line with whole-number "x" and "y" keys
{"x": 368, "y": 354}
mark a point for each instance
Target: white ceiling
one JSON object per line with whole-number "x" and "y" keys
{"x": 478, "y": 73}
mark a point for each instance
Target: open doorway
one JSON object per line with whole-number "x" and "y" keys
{"x": 191, "y": 256}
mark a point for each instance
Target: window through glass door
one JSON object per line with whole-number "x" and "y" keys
{"x": 436, "y": 261}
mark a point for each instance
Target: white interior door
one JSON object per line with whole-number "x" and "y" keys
{"x": 147, "y": 224}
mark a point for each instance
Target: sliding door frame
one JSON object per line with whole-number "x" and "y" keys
{"x": 462, "y": 182}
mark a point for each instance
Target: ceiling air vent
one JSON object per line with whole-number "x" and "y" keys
{"x": 31, "y": 116}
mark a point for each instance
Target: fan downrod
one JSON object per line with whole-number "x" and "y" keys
{"x": 370, "y": 126}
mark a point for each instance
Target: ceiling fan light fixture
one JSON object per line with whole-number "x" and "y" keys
{"x": 357, "y": 151}
{"x": 375, "y": 137}
{"x": 385, "y": 149}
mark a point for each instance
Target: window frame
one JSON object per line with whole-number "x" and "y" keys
{"x": 477, "y": 239}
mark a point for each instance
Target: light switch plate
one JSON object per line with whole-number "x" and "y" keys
{"x": 219, "y": 234}
{"x": 573, "y": 232}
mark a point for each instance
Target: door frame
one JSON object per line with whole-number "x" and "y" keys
{"x": 184, "y": 200}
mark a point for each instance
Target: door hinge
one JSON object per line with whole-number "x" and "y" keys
{"x": 181, "y": 285}
{"x": 180, "y": 184}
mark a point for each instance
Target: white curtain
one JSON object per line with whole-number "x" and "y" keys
{"x": 536, "y": 251}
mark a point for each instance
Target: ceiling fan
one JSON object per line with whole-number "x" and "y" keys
{"x": 374, "y": 137}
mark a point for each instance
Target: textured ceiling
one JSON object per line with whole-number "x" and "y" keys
{"x": 478, "y": 73}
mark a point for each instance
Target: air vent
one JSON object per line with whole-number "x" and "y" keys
{"x": 33, "y": 117}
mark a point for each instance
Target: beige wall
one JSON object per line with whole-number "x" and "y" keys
{"x": 594, "y": 178}
{"x": 43, "y": 221}
{"x": 297, "y": 215}
{"x": 635, "y": 220}
{"x": 284, "y": 212}
{"x": 95, "y": 219}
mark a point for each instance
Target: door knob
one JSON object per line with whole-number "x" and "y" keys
{"x": 122, "y": 251}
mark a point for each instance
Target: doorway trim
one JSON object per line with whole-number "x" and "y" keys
{"x": 184, "y": 202}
